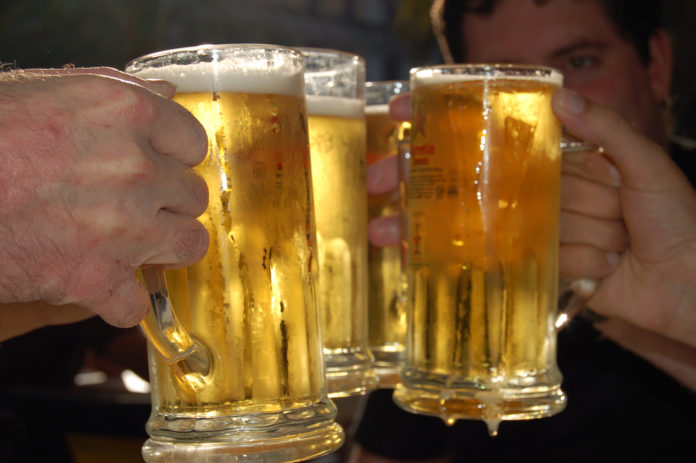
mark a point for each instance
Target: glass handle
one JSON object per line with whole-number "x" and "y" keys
{"x": 189, "y": 359}
{"x": 573, "y": 298}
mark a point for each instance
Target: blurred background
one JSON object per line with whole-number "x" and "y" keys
{"x": 392, "y": 35}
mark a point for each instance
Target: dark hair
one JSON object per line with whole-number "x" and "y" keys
{"x": 635, "y": 20}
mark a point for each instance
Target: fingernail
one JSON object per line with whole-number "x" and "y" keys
{"x": 569, "y": 101}
{"x": 615, "y": 174}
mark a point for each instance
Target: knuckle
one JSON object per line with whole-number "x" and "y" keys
{"x": 112, "y": 101}
{"x": 137, "y": 168}
{"x": 138, "y": 107}
{"x": 129, "y": 102}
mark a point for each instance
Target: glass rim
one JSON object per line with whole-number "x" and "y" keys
{"x": 333, "y": 73}
{"x": 213, "y": 47}
{"x": 331, "y": 52}
{"x": 379, "y": 92}
{"x": 483, "y": 71}
{"x": 374, "y": 83}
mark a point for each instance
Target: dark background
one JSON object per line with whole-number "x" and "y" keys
{"x": 392, "y": 35}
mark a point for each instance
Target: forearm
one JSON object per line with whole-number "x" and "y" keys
{"x": 673, "y": 357}
{"x": 20, "y": 318}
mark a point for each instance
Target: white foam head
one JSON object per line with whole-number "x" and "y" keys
{"x": 335, "y": 106}
{"x": 467, "y": 73}
{"x": 230, "y": 76}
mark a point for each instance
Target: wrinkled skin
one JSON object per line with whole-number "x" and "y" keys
{"x": 96, "y": 180}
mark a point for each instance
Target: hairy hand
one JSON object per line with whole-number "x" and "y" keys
{"x": 95, "y": 181}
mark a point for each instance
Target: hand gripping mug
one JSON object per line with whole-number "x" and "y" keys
{"x": 483, "y": 210}
{"x": 235, "y": 357}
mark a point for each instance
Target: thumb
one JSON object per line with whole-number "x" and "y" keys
{"x": 126, "y": 306}
{"x": 641, "y": 163}
{"x": 400, "y": 107}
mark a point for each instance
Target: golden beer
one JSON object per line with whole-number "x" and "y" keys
{"x": 483, "y": 207}
{"x": 386, "y": 288}
{"x": 334, "y": 83}
{"x": 337, "y": 146}
{"x": 260, "y": 275}
{"x": 251, "y": 300}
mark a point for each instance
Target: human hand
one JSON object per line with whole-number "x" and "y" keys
{"x": 650, "y": 282}
{"x": 95, "y": 181}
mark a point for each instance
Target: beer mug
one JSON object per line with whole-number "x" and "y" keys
{"x": 335, "y": 85}
{"x": 483, "y": 211}
{"x": 236, "y": 362}
{"x": 386, "y": 286}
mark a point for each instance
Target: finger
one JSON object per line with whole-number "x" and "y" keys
{"x": 125, "y": 306}
{"x": 178, "y": 134}
{"x": 642, "y": 164}
{"x": 592, "y": 165}
{"x": 384, "y": 231}
{"x": 588, "y": 198}
{"x": 400, "y": 107}
{"x": 609, "y": 235}
{"x": 383, "y": 175}
{"x": 170, "y": 128}
{"x": 581, "y": 261}
{"x": 180, "y": 189}
{"x": 181, "y": 241}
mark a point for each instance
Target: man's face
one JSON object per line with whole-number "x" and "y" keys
{"x": 576, "y": 37}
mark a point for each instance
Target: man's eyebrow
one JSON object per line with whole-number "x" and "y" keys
{"x": 583, "y": 45}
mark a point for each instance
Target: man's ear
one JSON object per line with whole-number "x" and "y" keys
{"x": 660, "y": 65}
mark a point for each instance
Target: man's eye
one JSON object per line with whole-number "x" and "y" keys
{"x": 580, "y": 62}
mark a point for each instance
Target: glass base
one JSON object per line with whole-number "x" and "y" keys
{"x": 489, "y": 404}
{"x": 288, "y": 436}
{"x": 388, "y": 364}
{"x": 387, "y": 376}
{"x": 296, "y": 448}
{"x": 349, "y": 373}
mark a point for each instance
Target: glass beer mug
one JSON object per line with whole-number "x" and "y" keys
{"x": 235, "y": 356}
{"x": 335, "y": 83}
{"x": 483, "y": 210}
{"x": 387, "y": 286}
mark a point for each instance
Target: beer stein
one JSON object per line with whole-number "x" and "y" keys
{"x": 335, "y": 83}
{"x": 235, "y": 357}
{"x": 483, "y": 211}
{"x": 386, "y": 286}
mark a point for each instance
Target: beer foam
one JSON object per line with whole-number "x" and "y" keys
{"x": 335, "y": 106}
{"x": 377, "y": 109}
{"x": 228, "y": 77}
{"x": 427, "y": 76}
